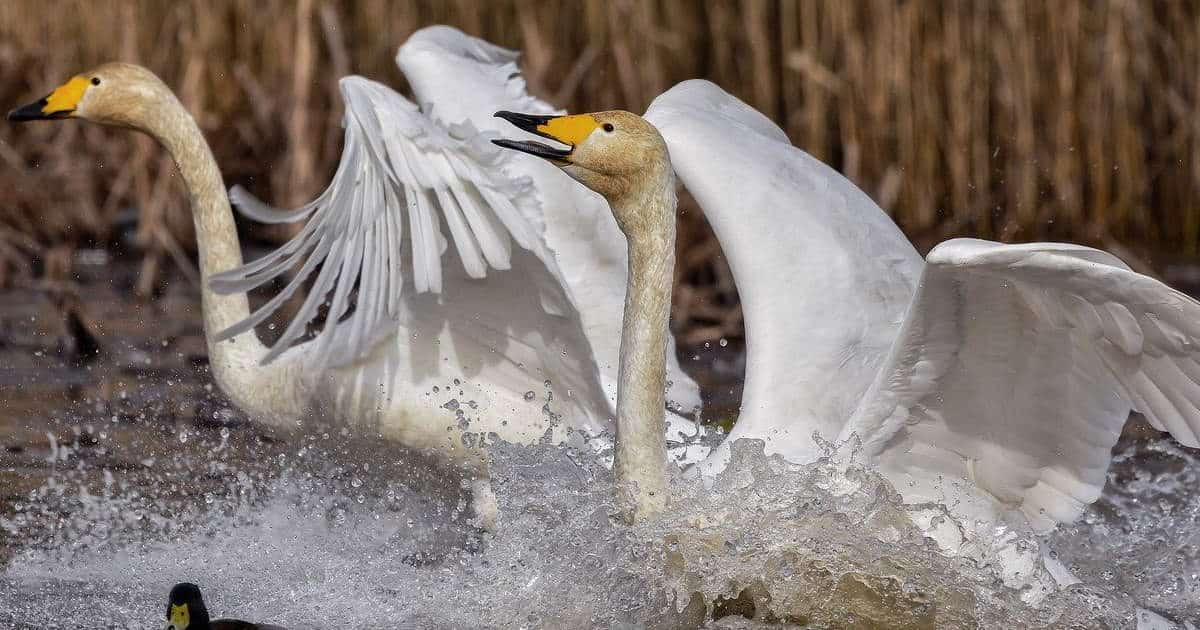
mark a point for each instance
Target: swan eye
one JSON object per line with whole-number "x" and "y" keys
{"x": 95, "y": 80}
{"x": 608, "y": 127}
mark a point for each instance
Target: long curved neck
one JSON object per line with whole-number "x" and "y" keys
{"x": 216, "y": 237}
{"x": 640, "y": 460}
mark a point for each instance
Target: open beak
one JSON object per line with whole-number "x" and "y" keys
{"x": 539, "y": 126}
{"x": 60, "y": 103}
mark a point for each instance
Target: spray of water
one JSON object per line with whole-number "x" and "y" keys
{"x": 337, "y": 533}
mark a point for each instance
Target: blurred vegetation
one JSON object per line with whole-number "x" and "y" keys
{"x": 1070, "y": 120}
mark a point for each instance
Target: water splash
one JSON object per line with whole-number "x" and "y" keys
{"x": 1142, "y": 538}
{"x": 350, "y": 533}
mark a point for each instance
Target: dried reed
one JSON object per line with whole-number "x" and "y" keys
{"x": 1012, "y": 120}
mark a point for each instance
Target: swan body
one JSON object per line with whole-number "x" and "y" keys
{"x": 991, "y": 379}
{"x": 514, "y": 308}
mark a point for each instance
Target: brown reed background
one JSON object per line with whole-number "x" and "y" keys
{"x": 1008, "y": 120}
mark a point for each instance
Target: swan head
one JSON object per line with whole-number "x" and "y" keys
{"x": 119, "y": 94}
{"x": 614, "y": 153}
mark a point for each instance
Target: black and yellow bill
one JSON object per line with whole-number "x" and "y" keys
{"x": 60, "y": 103}
{"x": 567, "y": 130}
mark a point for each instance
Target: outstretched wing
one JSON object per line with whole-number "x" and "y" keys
{"x": 823, "y": 274}
{"x": 401, "y": 178}
{"x": 461, "y": 78}
{"x": 1016, "y": 368}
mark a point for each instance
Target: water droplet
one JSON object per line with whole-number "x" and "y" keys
{"x": 529, "y": 395}
{"x": 723, "y": 342}
{"x": 183, "y": 437}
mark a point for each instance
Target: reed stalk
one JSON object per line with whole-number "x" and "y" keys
{"x": 1011, "y": 120}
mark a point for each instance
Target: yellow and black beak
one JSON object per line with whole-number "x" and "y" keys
{"x": 60, "y": 103}
{"x": 537, "y": 126}
{"x": 568, "y": 130}
{"x": 36, "y": 111}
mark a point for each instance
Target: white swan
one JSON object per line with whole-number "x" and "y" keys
{"x": 1003, "y": 368}
{"x": 433, "y": 355}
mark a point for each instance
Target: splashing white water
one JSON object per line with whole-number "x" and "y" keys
{"x": 308, "y": 542}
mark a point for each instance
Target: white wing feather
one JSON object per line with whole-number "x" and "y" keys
{"x": 398, "y": 166}
{"x": 1016, "y": 368}
{"x": 468, "y": 79}
{"x": 823, "y": 274}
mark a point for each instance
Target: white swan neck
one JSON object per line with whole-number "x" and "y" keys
{"x": 640, "y": 459}
{"x": 216, "y": 236}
